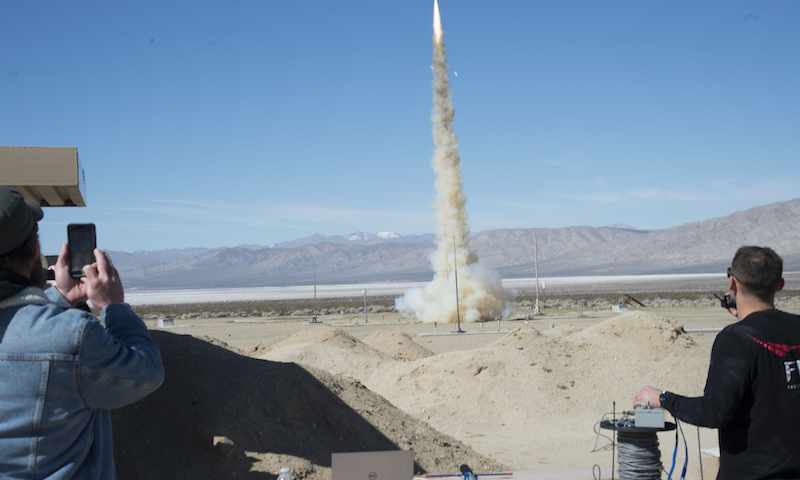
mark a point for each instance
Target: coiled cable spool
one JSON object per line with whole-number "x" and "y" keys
{"x": 637, "y": 448}
{"x": 639, "y": 456}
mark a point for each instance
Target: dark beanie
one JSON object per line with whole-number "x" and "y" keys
{"x": 18, "y": 219}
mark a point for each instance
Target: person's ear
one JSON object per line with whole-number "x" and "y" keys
{"x": 732, "y": 284}
{"x": 780, "y": 285}
{"x": 34, "y": 244}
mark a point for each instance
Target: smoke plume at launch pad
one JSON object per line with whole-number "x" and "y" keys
{"x": 480, "y": 293}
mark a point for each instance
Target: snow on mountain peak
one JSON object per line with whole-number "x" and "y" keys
{"x": 361, "y": 236}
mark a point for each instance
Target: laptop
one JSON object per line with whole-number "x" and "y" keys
{"x": 390, "y": 465}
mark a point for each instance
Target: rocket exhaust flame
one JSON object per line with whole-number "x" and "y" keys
{"x": 437, "y": 24}
{"x": 480, "y": 295}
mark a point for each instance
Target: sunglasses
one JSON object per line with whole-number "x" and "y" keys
{"x": 730, "y": 274}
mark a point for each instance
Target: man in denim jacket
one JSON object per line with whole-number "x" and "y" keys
{"x": 61, "y": 369}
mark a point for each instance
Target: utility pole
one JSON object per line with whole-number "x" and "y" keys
{"x": 366, "y": 319}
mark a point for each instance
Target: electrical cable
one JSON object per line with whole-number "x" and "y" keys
{"x": 685, "y": 450}
{"x": 679, "y": 428}
{"x": 674, "y": 454}
{"x": 597, "y": 430}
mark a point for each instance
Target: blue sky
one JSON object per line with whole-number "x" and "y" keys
{"x": 211, "y": 123}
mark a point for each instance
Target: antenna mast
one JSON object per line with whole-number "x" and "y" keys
{"x": 536, "y": 264}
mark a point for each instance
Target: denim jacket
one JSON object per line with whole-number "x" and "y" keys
{"x": 61, "y": 370}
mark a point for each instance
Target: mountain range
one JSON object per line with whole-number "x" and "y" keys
{"x": 699, "y": 247}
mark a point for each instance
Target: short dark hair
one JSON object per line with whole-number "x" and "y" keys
{"x": 18, "y": 258}
{"x": 759, "y": 270}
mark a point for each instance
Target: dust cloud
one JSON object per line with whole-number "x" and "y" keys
{"x": 455, "y": 266}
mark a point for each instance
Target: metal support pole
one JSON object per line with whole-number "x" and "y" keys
{"x": 366, "y": 318}
{"x": 613, "y": 437}
{"x": 455, "y": 271}
{"x": 536, "y": 265}
{"x": 314, "y": 260}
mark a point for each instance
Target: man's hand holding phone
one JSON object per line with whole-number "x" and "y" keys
{"x": 72, "y": 289}
{"x": 102, "y": 281}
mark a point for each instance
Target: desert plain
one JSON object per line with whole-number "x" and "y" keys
{"x": 245, "y": 395}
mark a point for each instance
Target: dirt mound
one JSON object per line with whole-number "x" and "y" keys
{"x": 397, "y": 345}
{"x": 313, "y": 334}
{"x": 332, "y": 336}
{"x": 261, "y": 348}
{"x": 524, "y": 335}
{"x": 560, "y": 331}
{"x": 221, "y": 414}
{"x": 655, "y": 337}
{"x": 330, "y": 349}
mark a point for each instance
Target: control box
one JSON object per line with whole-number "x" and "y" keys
{"x": 649, "y": 417}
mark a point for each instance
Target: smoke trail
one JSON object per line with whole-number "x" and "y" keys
{"x": 480, "y": 294}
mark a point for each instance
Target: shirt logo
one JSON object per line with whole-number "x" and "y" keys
{"x": 776, "y": 348}
{"x": 790, "y": 367}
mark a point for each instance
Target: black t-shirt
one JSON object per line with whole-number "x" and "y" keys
{"x": 752, "y": 396}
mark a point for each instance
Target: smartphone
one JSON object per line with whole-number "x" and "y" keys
{"x": 82, "y": 241}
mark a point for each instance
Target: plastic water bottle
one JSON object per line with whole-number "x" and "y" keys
{"x": 285, "y": 475}
{"x": 468, "y": 475}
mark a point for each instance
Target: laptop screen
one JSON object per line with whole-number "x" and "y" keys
{"x": 391, "y": 465}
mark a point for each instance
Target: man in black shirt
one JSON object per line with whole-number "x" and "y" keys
{"x": 752, "y": 393}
